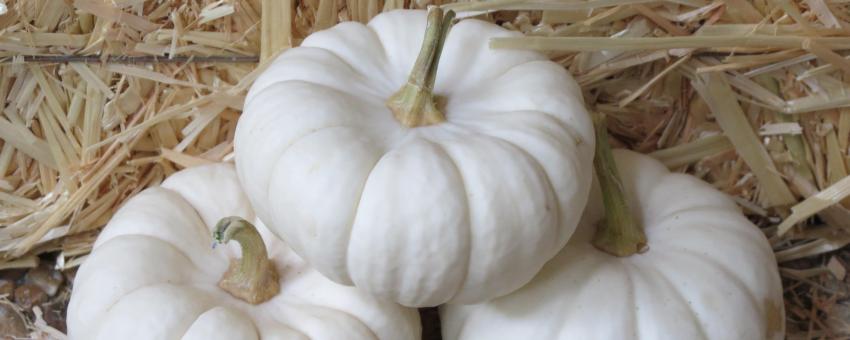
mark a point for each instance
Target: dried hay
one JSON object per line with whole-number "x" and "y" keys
{"x": 106, "y": 97}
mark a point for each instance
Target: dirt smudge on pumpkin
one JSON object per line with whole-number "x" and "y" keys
{"x": 774, "y": 319}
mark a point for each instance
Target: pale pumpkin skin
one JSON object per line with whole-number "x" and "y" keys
{"x": 464, "y": 210}
{"x": 708, "y": 274}
{"x": 153, "y": 275}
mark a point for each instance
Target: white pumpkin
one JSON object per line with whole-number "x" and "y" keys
{"x": 462, "y": 205}
{"x": 153, "y": 275}
{"x": 708, "y": 273}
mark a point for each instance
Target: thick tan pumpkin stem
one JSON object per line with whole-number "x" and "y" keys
{"x": 620, "y": 233}
{"x": 415, "y": 104}
{"x": 253, "y": 278}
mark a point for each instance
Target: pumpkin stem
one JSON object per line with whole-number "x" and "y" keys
{"x": 253, "y": 278}
{"x": 415, "y": 104}
{"x": 620, "y": 233}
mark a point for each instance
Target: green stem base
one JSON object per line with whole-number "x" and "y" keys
{"x": 415, "y": 104}
{"x": 620, "y": 233}
{"x": 252, "y": 278}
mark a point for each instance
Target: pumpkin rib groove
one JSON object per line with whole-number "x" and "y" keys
{"x": 370, "y": 92}
{"x": 701, "y": 189}
{"x": 473, "y": 92}
{"x": 551, "y": 188}
{"x": 671, "y": 218}
{"x": 377, "y": 37}
{"x": 319, "y": 307}
{"x": 681, "y": 297}
{"x": 353, "y": 317}
{"x": 496, "y": 129}
{"x": 496, "y": 136}
{"x": 195, "y": 216}
{"x": 297, "y": 139}
{"x": 333, "y": 38}
{"x": 350, "y": 226}
{"x": 349, "y": 96}
{"x": 151, "y": 238}
{"x": 741, "y": 285}
{"x": 384, "y": 53}
{"x": 278, "y": 164}
{"x": 745, "y": 235}
{"x": 549, "y": 141}
{"x": 280, "y": 151}
{"x": 148, "y": 238}
{"x": 469, "y": 238}
{"x": 473, "y": 117}
{"x": 560, "y": 120}
{"x": 255, "y": 121}
{"x": 279, "y": 323}
{"x": 453, "y": 90}
{"x": 214, "y": 306}
{"x": 501, "y": 75}
{"x": 584, "y": 284}
{"x": 204, "y": 231}
{"x": 546, "y": 178}
{"x": 635, "y": 322}
{"x": 467, "y": 220}
{"x": 356, "y": 211}
{"x": 132, "y": 292}
{"x": 749, "y": 236}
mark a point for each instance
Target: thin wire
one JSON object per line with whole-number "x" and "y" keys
{"x": 124, "y": 59}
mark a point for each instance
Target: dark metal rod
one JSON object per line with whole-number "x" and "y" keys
{"x": 125, "y": 59}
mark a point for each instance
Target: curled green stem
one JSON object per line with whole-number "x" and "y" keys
{"x": 415, "y": 103}
{"x": 252, "y": 278}
{"x": 620, "y": 233}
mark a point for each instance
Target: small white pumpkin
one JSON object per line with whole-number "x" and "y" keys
{"x": 460, "y": 194}
{"x": 153, "y": 275}
{"x": 708, "y": 273}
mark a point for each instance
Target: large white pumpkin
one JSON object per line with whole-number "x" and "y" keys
{"x": 463, "y": 210}
{"x": 708, "y": 274}
{"x": 153, "y": 275}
